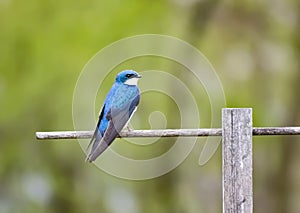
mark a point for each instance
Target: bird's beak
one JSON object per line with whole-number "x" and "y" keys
{"x": 138, "y": 76}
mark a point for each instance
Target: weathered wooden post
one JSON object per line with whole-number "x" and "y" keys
{"x": 237, "y": 160}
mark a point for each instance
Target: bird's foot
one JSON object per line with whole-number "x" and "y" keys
{"x": 129, "y": 129}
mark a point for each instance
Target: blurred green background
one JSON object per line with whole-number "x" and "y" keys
{"x": 253, "y": 45}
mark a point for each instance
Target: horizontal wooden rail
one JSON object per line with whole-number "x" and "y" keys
{"x": 168, "y": 133}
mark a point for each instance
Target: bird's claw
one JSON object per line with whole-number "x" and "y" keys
{"x": 129, "y": 129}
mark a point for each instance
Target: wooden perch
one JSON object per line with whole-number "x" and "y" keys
{"x": 168, "y": 133}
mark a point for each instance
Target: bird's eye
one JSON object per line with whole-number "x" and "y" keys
{"x": 129, "y": 75}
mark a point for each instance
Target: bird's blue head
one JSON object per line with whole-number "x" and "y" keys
{"x": 129, "y": 77}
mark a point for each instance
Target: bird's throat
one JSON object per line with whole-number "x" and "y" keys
{"x": 131, "y": 81}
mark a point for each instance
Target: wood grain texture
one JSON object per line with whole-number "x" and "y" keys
{"x": 237, "y": 160}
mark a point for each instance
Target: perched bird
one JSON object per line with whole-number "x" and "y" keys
{"x": 119, "y": 105}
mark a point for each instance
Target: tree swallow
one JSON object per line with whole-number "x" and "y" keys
{"x": 119, "y": 105}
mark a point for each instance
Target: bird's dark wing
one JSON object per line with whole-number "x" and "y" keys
{"x": 97, "y": 136}
{"x": 117, "y": 117}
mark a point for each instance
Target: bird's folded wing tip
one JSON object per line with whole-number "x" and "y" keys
{"x": 89, "y": 159}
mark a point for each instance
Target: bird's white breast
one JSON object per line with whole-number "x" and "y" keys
{"x": 131, "y": 81}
